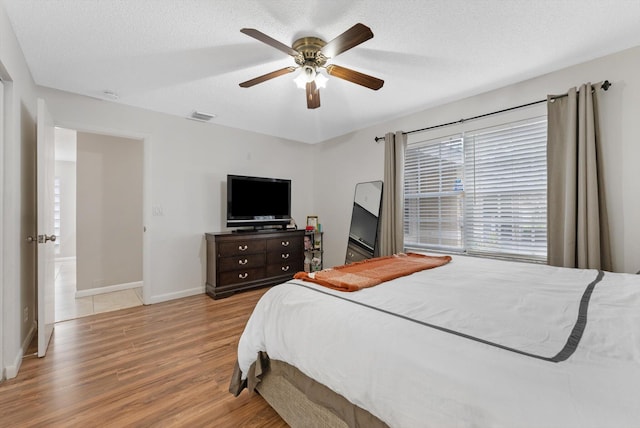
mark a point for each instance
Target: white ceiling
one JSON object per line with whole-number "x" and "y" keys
{"x": 177, "y": 56}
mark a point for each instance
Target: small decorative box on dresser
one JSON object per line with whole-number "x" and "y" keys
{"x": 238, "y": 261}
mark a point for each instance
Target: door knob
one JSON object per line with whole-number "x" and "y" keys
{"x": 31, "y": 239}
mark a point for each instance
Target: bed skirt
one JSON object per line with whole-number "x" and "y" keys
{"x": 298, "y": 399}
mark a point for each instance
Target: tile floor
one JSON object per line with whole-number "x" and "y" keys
{"x": 68, "y": 307}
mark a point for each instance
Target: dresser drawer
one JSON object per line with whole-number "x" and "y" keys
{"x": 235, "y": 248}
{"x": 246, "y": 261}
{"x": 239, "y": 276}
{"x": 284, "y": 256}
{"x": 284, "y": 269}
{"x": 285, "y": 244}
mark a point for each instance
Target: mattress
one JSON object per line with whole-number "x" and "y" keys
{"x": 476, "y": 342}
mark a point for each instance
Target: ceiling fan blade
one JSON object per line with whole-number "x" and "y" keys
{"x": 267, "y": 76}
{"x": 258, "y": 35}
{"x": 355, "y": 77}
{"x": 352, "y": 37}
{"x": 313, "y": 96}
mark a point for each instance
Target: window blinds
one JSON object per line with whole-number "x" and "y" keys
{"x": 483, "y": 192}
{"x": 434, "y": 205}
{"x": 506, "y": 190}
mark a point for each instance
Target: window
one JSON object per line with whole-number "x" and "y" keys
{"x": 481, "y": 192}
{"x": 433, "y": 194}
{"x": 56, "y": 214}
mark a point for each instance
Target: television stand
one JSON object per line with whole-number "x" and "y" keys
{"x": 239, "y": 261}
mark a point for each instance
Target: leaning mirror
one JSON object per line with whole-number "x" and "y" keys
{"x": 363, "y": 232}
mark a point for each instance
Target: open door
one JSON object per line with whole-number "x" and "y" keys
{"x": 45, "y": 237}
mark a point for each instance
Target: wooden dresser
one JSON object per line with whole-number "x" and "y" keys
{"x": 238, "y": 261}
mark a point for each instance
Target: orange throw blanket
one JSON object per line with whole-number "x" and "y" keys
{"x": 367, "y": 273}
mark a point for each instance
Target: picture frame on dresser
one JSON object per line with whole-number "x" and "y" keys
{"x": 312, "y": 221}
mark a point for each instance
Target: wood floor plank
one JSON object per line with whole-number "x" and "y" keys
{"x": 167, "y": 364}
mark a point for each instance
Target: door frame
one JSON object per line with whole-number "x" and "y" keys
{"x": 2, "y": 231}
{"x": 146, "y": 192}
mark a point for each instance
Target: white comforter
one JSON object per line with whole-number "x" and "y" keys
{"x": 410, "y": 374}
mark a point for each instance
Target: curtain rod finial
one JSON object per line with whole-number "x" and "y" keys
{"x": 606, "y": 85}
{"x": 378, "y": 139}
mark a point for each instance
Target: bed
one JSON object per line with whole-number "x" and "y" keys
{"x": 473, "y": 343}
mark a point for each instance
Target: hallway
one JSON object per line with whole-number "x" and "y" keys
{"x": 68, "y": 307}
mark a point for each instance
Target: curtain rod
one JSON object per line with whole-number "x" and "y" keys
{"x": 605, "y": 86}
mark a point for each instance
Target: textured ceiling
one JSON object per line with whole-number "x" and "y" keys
{"x": 177, "y": 56}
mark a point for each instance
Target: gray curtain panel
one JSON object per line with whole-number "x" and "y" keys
{"x": 392, "y": 226}
{"x": 578, "y": 231}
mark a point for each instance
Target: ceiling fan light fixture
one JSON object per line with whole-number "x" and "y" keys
{"x": 321, "y": 81}
{"x": 309, "y": 74}
{"x": 301, "y": 80}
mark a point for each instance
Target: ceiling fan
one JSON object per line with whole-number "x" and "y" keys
{"x": 311, "y": 54}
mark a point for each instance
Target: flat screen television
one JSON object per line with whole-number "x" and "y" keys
{"x": 258, "y": 201}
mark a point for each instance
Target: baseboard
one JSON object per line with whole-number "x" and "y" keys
{"x": 177, "y": 295}
{"x": 11, "y": 371}
{"x": 108, "y": 289}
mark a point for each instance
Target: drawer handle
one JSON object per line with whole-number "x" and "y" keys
{"x": 285, "y": 243}
{"x": 243, "y": 262}
{"x": 242, "y": 247}
{"x": 243, "y": 275}
{"x": 284, "y": 268}
{"x": 285, "y": 256}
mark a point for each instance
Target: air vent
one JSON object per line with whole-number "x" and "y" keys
{"x": 202, "y": 117}
{"x": 110, "y": 95}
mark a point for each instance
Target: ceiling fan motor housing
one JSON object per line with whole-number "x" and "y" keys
{"x": 309, "y": 54}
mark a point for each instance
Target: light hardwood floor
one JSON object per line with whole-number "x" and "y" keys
{"x": 167, "y": 364}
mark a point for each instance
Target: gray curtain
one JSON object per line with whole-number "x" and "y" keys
{"x": 578, "y": 231}
{"x": 392, "y": 226}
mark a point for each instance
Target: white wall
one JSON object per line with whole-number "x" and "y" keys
{"x": 17, "y": 289}
{"x": 347, "y": 160}
{"x": 109, "y": 211}
{"x": 186, "y": 164}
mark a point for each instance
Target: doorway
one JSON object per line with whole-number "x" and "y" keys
{"x": 98, "y": 191}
